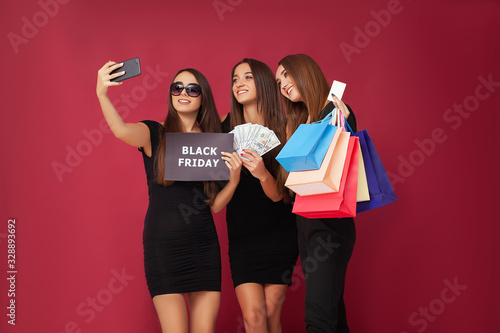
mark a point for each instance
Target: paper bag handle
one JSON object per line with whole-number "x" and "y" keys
{"x": 327, "y": 117}
{"x": 349, "y": 127}
{"x": 339, "y": 123}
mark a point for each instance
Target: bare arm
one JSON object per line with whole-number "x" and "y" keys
{"x": 270, "y": 187}
{"x": 258, "y": 169}
{"x": 233, "y": 162}
{"x": 136, "y": 135}
{"x": 342, "y": 107}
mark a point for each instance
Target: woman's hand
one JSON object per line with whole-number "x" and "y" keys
{"x": 103, "y": 77}
{"x": 255, "y": 164}
{"x": 136, "y": 135}
{"x": 258, "y": 169}
{"x": 341, "y": 106}
{"x": 233, "y": 162}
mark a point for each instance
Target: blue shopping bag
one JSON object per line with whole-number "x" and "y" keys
{"x": 307, "y": 147}
{"x": 379, "y": 185}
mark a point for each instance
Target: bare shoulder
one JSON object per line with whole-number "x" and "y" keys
{"x": 143, "y": 127}
{"x": 222, "y": 118}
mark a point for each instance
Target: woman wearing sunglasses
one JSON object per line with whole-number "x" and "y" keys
{"x": 261, "y": 228}
{"x": 305, "y": 91}
{"x": 181, "y": 249}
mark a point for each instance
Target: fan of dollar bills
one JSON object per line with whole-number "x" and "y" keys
{"x": 255, "y": 137}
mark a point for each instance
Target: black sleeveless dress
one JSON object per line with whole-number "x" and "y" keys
{"x": 181, "y": 248}
{"x": 262, "y": 234}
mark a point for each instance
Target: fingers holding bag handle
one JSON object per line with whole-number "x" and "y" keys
{"x": 341, "y": 106}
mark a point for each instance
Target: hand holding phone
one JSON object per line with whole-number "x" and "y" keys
{"x": 131, "y": 67}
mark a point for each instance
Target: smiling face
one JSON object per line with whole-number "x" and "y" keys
{"x": 287, "y": 85}
{"x": 184, "y": 102}
{"x": 244, "y": 89}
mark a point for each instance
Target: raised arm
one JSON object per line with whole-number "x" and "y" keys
{"x": 136, "y": 135}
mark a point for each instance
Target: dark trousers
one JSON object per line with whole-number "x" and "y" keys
{"x": 325, "y": 247}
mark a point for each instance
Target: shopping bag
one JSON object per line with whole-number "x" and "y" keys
{"x": 379, "y": 185}
{"x": 307, "y": 147}
{"x": 363, "y": 193}
{"x": 338, "y": 204}
{"x": 327, "y": 178}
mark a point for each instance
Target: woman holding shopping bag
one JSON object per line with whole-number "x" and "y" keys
{"x": 261, "y": 227}
{"x": 305, "y": 91}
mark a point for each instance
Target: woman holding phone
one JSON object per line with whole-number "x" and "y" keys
{"x": 261, "y": 228}
{"x": 181, "y": 251}
{"x": 305, "y": 91}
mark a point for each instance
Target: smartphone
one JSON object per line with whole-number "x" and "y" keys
{"x": 131, "y": 67}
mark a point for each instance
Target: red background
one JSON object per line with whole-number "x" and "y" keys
{"x": 78, "y": 227}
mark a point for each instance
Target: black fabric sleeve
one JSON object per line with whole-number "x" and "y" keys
{"x": 226, "y": 124}
{"x": 154, "y": 133}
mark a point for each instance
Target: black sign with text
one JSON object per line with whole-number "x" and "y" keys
{"x": 197, "y": 156}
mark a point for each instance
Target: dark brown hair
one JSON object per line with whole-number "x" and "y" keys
{"x": 312, "y": 85}
{"x": 270, "y": 106}
{"x": 208, "y": 120}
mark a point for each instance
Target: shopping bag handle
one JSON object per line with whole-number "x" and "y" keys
{"x": 339, "y": 114}
{"x": 336, "y": 120}
{"x": 327, "y": 117}
{"x": 350, "y": 129}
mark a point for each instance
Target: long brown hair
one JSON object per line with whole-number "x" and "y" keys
{"x": 270, "y": 106}
{"x": 312, "y": 85}
{"x": 208, "y": 121}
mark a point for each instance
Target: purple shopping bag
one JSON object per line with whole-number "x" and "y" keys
{"x": 379, "y": 185}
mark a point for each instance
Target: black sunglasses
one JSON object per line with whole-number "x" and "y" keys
{"x": 192, "y": 89}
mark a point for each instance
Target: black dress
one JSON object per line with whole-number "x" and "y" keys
{"x": 181, "y": 248}
{"x": 325, "y": 248}
{"x": 262, "y": 234}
